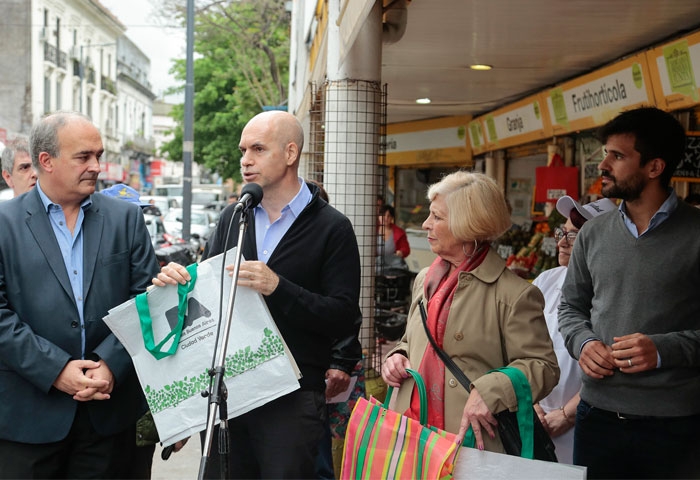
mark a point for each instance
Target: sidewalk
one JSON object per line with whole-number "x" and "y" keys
{"x": 183, "y": 465}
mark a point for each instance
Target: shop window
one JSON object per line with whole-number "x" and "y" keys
{"x": 589, "y": 153}
{"x": 520, "y": 186}
{"x": 411, "y": 202}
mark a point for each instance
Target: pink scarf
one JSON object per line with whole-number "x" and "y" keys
{"x": 439, "y": 288}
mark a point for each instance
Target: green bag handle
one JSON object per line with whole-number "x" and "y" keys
{"x": 422, "y": 396}
{"x": 147, "y": 324}
{"x": 524, "y": 414}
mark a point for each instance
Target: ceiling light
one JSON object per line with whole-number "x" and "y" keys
{"x": 423, "y": 101}
{"x": 480, "y": 66}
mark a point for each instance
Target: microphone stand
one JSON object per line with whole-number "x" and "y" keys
{"x": 217, "y": 391}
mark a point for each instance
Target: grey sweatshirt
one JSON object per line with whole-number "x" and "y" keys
{"x": 618, "y": 285}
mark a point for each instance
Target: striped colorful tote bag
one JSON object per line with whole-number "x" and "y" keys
{"x": 383, "y": 444}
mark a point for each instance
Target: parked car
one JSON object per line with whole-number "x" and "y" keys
{"x": 214, "y": 213}
{"x": 169, "y": 190}
{"x": 169, "y": 248}
{"x": 209, "y": 198}
{"x": 182, "y": 253}
{"x": 156, "y": 229}
{"x": 202, "y": 224}
{"x": 164, "y": 204}
{"x": 206, "y": 196}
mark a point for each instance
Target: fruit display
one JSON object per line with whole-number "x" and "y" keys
{"x": 547, "y": 257}
{"x": 529, "y": 252}
{"x": 512, "y": 241}
{"x": 525, "y": 259}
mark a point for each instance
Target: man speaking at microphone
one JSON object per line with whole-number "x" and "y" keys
{"x": 302, "y": 256}
{"x": 251, "y": 196}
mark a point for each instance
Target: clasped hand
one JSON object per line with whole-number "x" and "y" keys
{"x": 86, "y": 380}
{"x": 630, "y": 354}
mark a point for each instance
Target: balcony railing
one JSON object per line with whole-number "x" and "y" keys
{"x": 107, "y": 84}
{"x": 91, "y": 76}
{"x": 62, "y": 60}
{"x": 50, "y": 53}
{"x": 140, "y": 144}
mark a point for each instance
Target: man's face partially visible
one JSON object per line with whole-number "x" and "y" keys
{"x": 23, "y": 175}
{"x": 77, "y": 166}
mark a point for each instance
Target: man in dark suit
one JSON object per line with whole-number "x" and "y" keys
{"x": 70, "y": 396}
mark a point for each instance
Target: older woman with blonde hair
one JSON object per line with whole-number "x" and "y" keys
{"x": 479, "y": 312}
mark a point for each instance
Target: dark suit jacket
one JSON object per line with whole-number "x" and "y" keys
{"x": 39, "y": 323}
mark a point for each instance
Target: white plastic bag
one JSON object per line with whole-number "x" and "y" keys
{"x": 259, "y": 366}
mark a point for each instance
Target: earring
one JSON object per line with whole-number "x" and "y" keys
{"x": 476, "y": 247}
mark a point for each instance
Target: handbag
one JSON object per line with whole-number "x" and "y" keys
{"x": 382, "y": 443}
{"x": 521, "y": 432}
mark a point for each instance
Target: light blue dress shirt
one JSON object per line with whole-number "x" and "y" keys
{"x": 661, "y": 215}
{"x": 71, "y": 246}
{"x": 268, "y": 235}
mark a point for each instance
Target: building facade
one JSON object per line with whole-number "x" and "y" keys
{"x": 133, "y": 115}
{"x": 164, "y": 170}
{"x": 57, "y": 55}
{"x": 74, "y": 55}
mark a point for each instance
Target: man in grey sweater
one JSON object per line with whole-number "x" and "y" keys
{"x": 630, "y": 310}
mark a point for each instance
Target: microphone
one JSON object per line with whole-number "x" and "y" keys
{"x": 251, "y": 196}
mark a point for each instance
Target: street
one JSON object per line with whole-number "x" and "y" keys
{"x": 181, "y": 465}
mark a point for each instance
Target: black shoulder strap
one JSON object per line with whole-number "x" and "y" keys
{"x": 449, "y": 363}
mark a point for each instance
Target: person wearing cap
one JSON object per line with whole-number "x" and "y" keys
{"x": 630, "y": 310}
{"x": 17, "y": 169}
{"x": 124, "y": 192}
{"x": 70, "y": 394}
{"x": 557, "y": 411}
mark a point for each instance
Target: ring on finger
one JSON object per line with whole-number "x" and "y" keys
{"x": 629, "y": 361}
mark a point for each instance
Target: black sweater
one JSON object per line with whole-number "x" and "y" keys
{"x": 317, "y": 299}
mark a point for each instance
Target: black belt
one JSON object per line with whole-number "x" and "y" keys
{"x": 625, "y": 416}
{"x": 618, "y": 415}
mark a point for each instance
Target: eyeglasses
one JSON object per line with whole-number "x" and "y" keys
{"x": 560, "y": 233}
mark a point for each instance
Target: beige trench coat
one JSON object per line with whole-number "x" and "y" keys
{"x": 496, "y": 319}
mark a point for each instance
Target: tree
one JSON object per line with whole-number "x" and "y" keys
{"x": 242, "y": 65}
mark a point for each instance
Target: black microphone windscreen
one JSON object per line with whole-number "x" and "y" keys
{"x": 255, "y": 191}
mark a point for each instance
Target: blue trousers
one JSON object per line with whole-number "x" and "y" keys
{"x": 616, "y": 445}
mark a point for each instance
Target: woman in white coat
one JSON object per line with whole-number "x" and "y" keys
{"x": 557, "y": 411}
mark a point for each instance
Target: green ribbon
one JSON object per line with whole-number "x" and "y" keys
{"x": 147, "y": 324}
